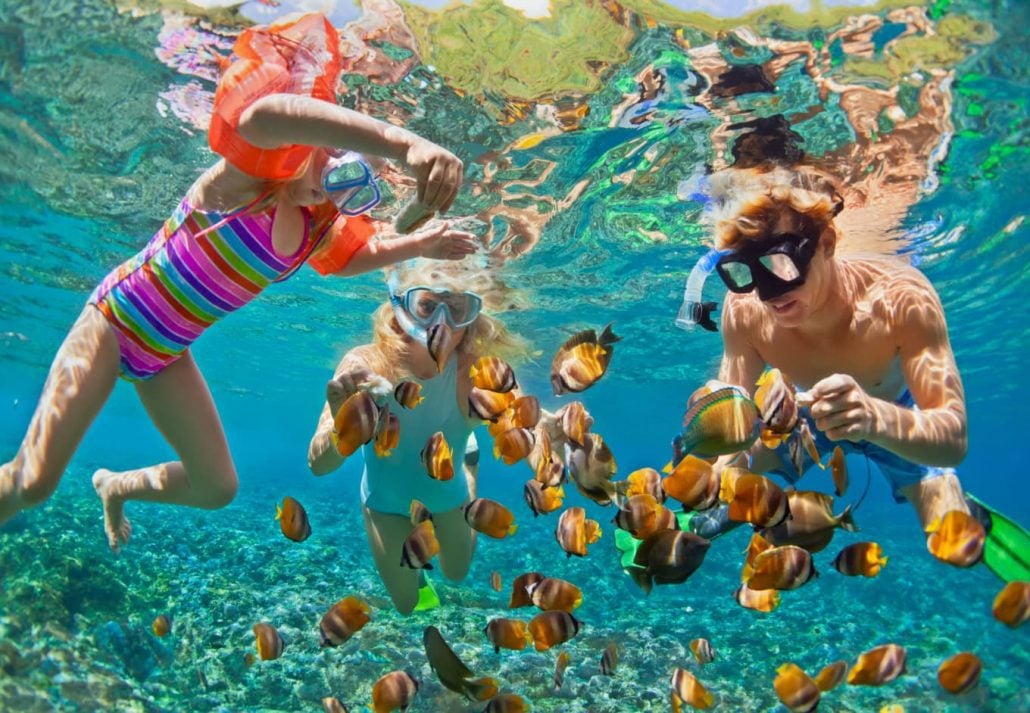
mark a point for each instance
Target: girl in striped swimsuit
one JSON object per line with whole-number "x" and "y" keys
{"x": 231, "y": 237}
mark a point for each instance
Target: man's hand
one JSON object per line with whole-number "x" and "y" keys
{"x": 442, "y": 242}
{"x": 842, "y": 409}
{"x": 438, "y": 171}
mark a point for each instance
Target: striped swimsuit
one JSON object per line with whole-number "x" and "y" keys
{"x": 185, "y": 279}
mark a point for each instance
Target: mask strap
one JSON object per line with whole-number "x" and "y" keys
{"x": 399, "y": 311}
{"x": 694, "y": 311}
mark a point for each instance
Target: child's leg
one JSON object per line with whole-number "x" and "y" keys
{"x": 935, "y": 496}
{"x": 457, "y": 543}
{"x": 80, "y": 380}
{"x": 386, "y": 534}
{"x": 180, "y": 405}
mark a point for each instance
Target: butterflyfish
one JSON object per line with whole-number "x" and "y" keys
{"x": 839, "y": 470}
{"x": 860, "y": 559}
{"x": 388, "y": 432}
{"x": 574, "y": 421}
{"x": 492, "y": 374}
{"x": 355, "y": 423}
{"x": 574, "y": 532}
{"x": 437, "y": 457}
{"x": 958, "y": 539}
{"x": 644, "y": 481}
{"x": 774, "y": 397}
{"x": 753, "y": 498}
{"x": 609, "y": 659}
{"x": 269, "y": 644}
{"x": 408, "y": 394}
{"x": 520, "y": 596}
{"x": 506, "y": 633}
{"x": 796, "y": 689}
{"x": 437, "y": 337}
{"x": 637, "y": 515}
{"x": 787, "y": 567}
{"x": 1012, "y": 604}
{"x": 591, "y": 468}
{"x": 553, "y": 594}
{"x": 394, "y": 691}
{"x": 811, "y": 523}
{"x": 693, "y": 482}
{"x": 878, "y": 666}
{"x": 452, "y": 672}
{"x": 960, "y": 673}
{"x": 343, "y": 620}
{"x": 489, "y": 405}
{"x": 161, "y": 625}
{"x": 420, "y": 546}
{"x": 542, "y": 500}
{"x": 513, "y": 445}
{"x": 293, "y": 520}
{"x": 551, "y": 628}
{"x": 490, "y": 517}
{"x": 830, "y": 676}
{"x": 764, "y": 600}
{"x": 560, "y": 665}
{"x": 582, "y": 360}
{"x": 667, "y": 557}
{"x": 687, "y": 689}
{"x": 507, "y": 703}
{"x": 331, "y": 704}
{"x": 419, "y": 512}
{"x": 702, "y": 650}
{"x": 495, "y": 581}
{"x": 722, "y": 422}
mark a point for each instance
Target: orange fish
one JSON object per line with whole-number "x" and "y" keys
{"x": 755, "y": 547}
{"x": 553, "y": 594}
{"x": 525, "y": 412}
{"x": 609, "y": 659}
{"x": 781, "y": 568}
{"x": 551, "y": 628}
{"x": 490, "y": 517}
{"x": 574, "y": 422}
{"x": 878, "y": 666}
{"x": 667, "y": 557}
{"x": 419, "y": 513}
{"x": 508, "y": 634}
{"x": 408, "y": 394}
{"x": 764, "y": 601}
{"x": 687, "y": 689}
{"x": 514, "y": 445}
{"x": 355, "y": 423}
{"x": 293, "y": 520}
{"x": 269, "y": 644}
{"x": 861, "y": 558}
{"x": 488, "y": 405}
{"x": 830, "y": 676}
{"x": 775, "y": 399}
{"x": 1012, "y": 605}
{"x": 507, "y": 703}
{"x": 665, "y": 519}
{"x": 542, "y": 500}
{"x": 839, "y": 469}
{"x": 492, "y": 374}
{"x": 958, "y": 538}
{"x": 388, "y": 432}
{"x": 637, "y": 516}
{"x": 420, "y": 546}
{"x": 803, "y": 442}
{"x": 575, "y": 532}
{"x": 520, "y": 596}
{"x": 161, "y": 626}
{"x": 343, "y": 620}
{"x": 960, "y": 673}
{"x": 454, "y": 674}
{"x": 333, "y": 705}
{"x": 394, "y": 691}
{"x": 560, "y": 665}
{"x": 702, "y": 650}
{"x": 495, "y": 581}
{"x": 693, "y": 483}
{"x": 582, "y": 360}
{"x": 437, "y": 457}
{"x": 795, "y": 689}
{"x": 811, "y": 523}
{"x": 645, "y": 481}
{"x": 437, "y": 336}
{"x": 591, "y": 468}
{"x": 753, "y": 498}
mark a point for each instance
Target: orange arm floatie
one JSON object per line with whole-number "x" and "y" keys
{"x": 345, "y": 236}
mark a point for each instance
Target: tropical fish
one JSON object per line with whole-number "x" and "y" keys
{"x": 495, "y": 581}
{"x": 839, "y": 470}
{"x": 830, "y": 676}
{"x": 551, "y": 628}
{"x": 489, "y": 405}
{"x": 343, "y": 620}
{"x": 753, "y": 498}
{"x": 878, "y": 666}
{"x": 355, "y": 423}
{"x": 667, "y": 557}
{"x": 541, "y": 499}
{"x": 560, "y": 665}
{"x": 774, "y": 397}
{"x": 574, "y": 532}
{"x": 333, "y": 705}
{"x": 665, "y": 519}
{"x": 786, "y": 567}
{"x": 795, "y": 689}
{"x": 161, "y": 625}
{"x": 693, "y": 482}
{"x": 861, "y": 558}
{"x": 574, "y": 422}
{"x": 755, "y": 547}
{"x": 811, "y": 523}
{"x": 508, "y": 634}
{"x": 513, "y": 445}
{"x": 582, "y": 360}
{"x": 803, "y": 442}
{"x": 520, "y": 596}
{"x": 293, "y": 520}
{"x": 722, "y": 422}
{"x": 419, "y": 513}
{"x": 644, "y": 481}
{"x": 764, "y": 601}
{"x": 452, "y": 672}
{"x": 408, "y": 394}
{"x": 269, "y": 644}
{"x": 436, "y": 456}
{"x": 394, "y": 691}
{"x": 687, "y": 689}
{"x": 492, "y": 374}
{"x": 609, "y": 659}
{"x": 1012, "y": 604}
{"x": 958, "y": 538}
{"x": 553, "y": 594}
{"x": 591, "y": 468}
{"x": 702, "y": 650}
{"x": 490, "y": 517}
{"x": 437, "y": 337}
{"x": 525, "y": 411}
{"x": 960, "y": 673}
{"x": 388, "y": 432}
{"x": 420, "y": 546}
{"x": 637, "y": 515}
{"x": 507, "y": 703}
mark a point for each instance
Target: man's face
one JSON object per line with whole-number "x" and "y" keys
{"x": 791, "y": 308}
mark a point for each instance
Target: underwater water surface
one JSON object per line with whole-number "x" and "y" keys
{"x": 586, "y": 129}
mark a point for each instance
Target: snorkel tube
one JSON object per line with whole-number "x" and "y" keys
{"x": 693, "y": 311}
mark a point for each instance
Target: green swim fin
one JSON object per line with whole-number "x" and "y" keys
{"x": 427, "y": 596}
{"x": 1008, "y": 543}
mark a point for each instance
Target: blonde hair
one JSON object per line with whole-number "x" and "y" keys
{"x": 749, "y": 201}
{"x": 485, "y": 336}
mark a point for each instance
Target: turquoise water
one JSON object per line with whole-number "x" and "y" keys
{"x": 97, "y": 112}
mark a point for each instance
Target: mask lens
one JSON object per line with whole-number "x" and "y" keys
{"x": 781, "y": 266}
{"x": 459, "y": 308}
{"x": 350, "y": 185}
{"x": 738, "y": 273}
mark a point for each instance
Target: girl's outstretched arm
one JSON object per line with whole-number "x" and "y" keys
{"x": 352, "y": 372}
{"x": 441, "y": 242}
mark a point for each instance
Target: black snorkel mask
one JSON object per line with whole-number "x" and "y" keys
{"x": 774, "y": 266}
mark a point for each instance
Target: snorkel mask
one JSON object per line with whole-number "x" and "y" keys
{"x": 350, "y": 183}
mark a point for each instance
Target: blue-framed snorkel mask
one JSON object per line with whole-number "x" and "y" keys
{"x": 421, "y": 307}
{"x": 350, "y": 183}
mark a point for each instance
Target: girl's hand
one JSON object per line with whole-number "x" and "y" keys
{"x": 438, "y": 171}
{"x": 842, "y": 409}
{"x": 342, "y": 387}
{"x": 442, "y": 242}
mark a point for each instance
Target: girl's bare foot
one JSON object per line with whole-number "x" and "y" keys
{"x": 116, "y": 525}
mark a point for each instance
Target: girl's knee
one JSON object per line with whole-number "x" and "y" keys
{"x": 223, "y": 491}
{"x": 34, "y": 485}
